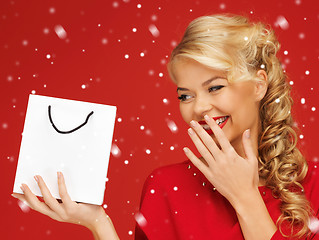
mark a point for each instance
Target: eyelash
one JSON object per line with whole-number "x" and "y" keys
{"x": 182, "y": 97}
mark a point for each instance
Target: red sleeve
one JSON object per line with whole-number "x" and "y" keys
{"x": 154, "y": 219}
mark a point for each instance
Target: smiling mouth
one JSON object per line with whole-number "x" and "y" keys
{"x": 220, "y": 121}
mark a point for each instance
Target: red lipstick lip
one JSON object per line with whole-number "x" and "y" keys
{"x": 209, "y": 131}
{"x": 215, "y": 118}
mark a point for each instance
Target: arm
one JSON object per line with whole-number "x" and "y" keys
{"x": 90, "y": 216}
{"x": 104, "y": 229}
{"x": 253, "y": 217}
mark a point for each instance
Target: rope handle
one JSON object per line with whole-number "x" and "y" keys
{"x": 66, "y": 132}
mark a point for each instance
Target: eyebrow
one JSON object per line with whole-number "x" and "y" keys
{"x": 204, "y": 83}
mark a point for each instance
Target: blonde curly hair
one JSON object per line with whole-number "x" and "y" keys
{"x": 232, "y": 44}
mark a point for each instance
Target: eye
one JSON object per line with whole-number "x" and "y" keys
{"x": 184, "y": 97}
{"x": 215, "y": 88}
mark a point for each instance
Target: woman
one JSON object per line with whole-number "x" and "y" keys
{"x": 251, "y": 181}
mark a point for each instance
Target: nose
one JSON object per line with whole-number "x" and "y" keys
{"x": 202, "y": 106}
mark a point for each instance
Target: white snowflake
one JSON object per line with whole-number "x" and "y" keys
{"x": 140, "y": 219}
{"x": 314, "y": 225}
{"x": 23, "y": 206}
{"x": 172, "y": 126}
{"x": 59, "y": 30}
{"x": 116, "y": 152}
{"x": 222, "y": 6}
{"x": 104, "y": 41}
{"x": 154, "y": 31}
{"x": 282, "y": 22}
{"x": 52, "y": 10}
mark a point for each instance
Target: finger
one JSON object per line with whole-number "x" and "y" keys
{"x": 48, "y": 198}
{"x": 19, "y": 196}
{"x": 30, "y": 199}
{"x": 202, "y": 149}
{"x": 248, "y": 145}
{"x": 197, "y": 163}
{"x": 63, "y": 191}
{"x": 219, "y": 134}
{"x": 207, "y": 140}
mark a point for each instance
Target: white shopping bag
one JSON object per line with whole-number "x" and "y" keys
{"x": 70, "y": 136}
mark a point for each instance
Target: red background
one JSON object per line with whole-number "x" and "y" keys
{"x": 99, "y": 34}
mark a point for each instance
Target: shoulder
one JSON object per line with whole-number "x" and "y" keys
{"x": 176, "y": 168}
{"x": 155, "y": 217}
{"x": 182, "y": 178}
{"x": 160, "y": 179}
{"x": 168, "y": 173}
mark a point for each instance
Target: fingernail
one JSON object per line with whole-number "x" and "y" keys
{"x": 193, "y": 124}
{"x": 36, "y": 178}
{"x": 22, "y": 188}
{"x": 190, "y": 131}
{"x": 13, "y": 196}
{"x": 247, "y": 133}
{"x": 59, "y": 174}
{"x": 185, "y": 149}
{"x": 208, "y": 119}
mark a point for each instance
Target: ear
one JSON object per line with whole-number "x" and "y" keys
{"x": 261, "y": 86}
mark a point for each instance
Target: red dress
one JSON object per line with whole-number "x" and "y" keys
{"x": 175, "y": 204}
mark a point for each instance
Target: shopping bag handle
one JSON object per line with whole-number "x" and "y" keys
{"x": 65, "y": 132}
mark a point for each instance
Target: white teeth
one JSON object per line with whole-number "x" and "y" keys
{"x": 218, "y": 121}
{"x": 206, "y": 127}
{"x": 221, "y": 120}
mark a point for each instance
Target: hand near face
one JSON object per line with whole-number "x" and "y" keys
{"x": 232, "y": 175}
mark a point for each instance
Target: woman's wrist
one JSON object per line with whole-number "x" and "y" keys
{"x": 103, "y": 228}
{"x": 253, "y": 216}
{"x": 246, "y": 197}
{"x": 243, "y": 199}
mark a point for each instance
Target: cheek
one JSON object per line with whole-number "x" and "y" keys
{"x": 244, "y": 111}
{"x": 185, "y": 113}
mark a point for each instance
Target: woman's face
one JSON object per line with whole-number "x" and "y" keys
{"x": 205, "y": 91}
